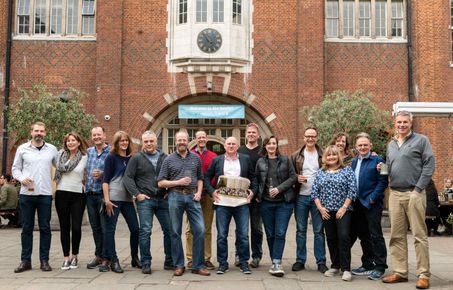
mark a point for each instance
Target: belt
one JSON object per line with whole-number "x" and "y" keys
{"x": 93, "y": 193}
{"x": 185, "y": 191}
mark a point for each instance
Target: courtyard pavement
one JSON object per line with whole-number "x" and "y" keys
{"x": 441, "y": 256}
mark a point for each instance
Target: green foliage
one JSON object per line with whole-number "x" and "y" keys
{"x": 351, "y": 114}
{"x": 61, "y": 114}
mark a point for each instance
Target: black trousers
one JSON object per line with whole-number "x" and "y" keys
{"x": 366, "y": 225}
{"x": 70, "y": 207}
{"x": 338, "y": 240}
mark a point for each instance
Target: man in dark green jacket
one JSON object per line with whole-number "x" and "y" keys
{"x": 8, "y": 200}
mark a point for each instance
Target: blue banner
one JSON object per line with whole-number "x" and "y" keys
{"x": 211, "y": 112}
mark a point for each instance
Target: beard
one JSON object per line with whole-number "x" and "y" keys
{"x": 181, "y": 148}
{"x": 38, "y": 138}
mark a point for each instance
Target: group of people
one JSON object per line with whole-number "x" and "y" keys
{"x": 342, "y": 194}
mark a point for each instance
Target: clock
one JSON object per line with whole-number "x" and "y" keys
{"x": 209, "y": 40}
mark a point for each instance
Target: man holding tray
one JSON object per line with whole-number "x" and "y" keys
{"x": 231, "y": 165}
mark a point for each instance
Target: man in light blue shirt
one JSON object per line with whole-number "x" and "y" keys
{"x": 32, "y": 167}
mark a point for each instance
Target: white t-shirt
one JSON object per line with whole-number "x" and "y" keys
{"x": 309, "y": 169}
{"x": 72, "y": 181}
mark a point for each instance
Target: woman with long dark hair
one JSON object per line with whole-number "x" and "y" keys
{"x": 117, "y": 200}
{"x": 70, "y": 198}
{"x": 333, "y": 192}
{"x": 276, "y": 177}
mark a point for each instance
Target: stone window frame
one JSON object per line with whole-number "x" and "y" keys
{"x": 57, "y": 19}
{"x": 335, "y": 21}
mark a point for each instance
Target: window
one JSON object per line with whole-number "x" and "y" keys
{"x": 397, "y": 18}
{"x": 332, "y": 18}
{"x": 55, "y": 17}
{"x": 380, "y": 27}
{"x": 218, "y": 11}
{"x": 237, "y": 11}
{"x": 182, "y": 11}
{"x": 202, "y": 10}
{"x": 365, "y": 19}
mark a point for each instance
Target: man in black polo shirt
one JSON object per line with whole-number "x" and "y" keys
{"x": 182, "y": 174}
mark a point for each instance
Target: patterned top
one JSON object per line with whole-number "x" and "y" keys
{"x": 332, "y": 189}
{"x": 95, "y": 161}
{"x": 176, "y": 167}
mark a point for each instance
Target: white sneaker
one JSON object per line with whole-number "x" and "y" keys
{"x": 331, "y": 272}
{"x": 346, "y": 276}
{"x": 277, "y": 270}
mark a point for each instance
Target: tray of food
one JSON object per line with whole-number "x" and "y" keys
{"x": 233, "y": 191}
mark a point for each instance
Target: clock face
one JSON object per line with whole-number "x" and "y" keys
{"x": 209, "y": 40}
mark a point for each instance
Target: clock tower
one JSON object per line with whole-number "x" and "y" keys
{"x": 210, "y": 36}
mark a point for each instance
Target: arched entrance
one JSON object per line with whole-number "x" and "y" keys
{"x": 168, "y": 123}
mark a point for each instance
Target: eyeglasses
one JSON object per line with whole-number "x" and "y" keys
{"x": 311, "y": 137}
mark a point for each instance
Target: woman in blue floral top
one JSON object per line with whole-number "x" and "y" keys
{"x": 333, "y": 192}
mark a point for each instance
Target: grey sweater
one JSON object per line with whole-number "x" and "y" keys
{"x": 141, "y": 176}
{"x": 411, "y": 165}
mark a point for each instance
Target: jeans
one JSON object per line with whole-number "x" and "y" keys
{"x": 70, "y": 208}
{"x": 127, "y": 209}
{"x": 366, "y": 225}
{"x": 94, "y": 205}
{"x": 29, "y": 204}
{"x": 339, "y": 240}
{"x": 241, "y": 219}
{"x": 304, "y": 206}
{"x": 256, "y": 230}
{"x": 178, "y": 203}
{"x": 276, "y": 217}
{"x": 146, "y": 209}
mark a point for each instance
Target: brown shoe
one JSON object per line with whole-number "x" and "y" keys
{"x": 23, "y": 266}
{"x": 209, "y": 265}
{"x": 394, "y": 278}
{"x": 189, "y": 265}
{"x": 179, "y": 271}
{"x": 202, "y": 272}
{"x": 422, "y": 283}
{"x": 45, "y": 266}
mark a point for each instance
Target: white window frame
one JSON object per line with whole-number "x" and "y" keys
{"x": 201, "y": 11}
{"x": 236, "y": 12}
{"x": 183, "y": 13}
{"x": 218, "y": 16}
{"x": 55, "y": 25}
{"x": 373, "y": 20}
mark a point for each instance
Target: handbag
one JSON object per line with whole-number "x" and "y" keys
{"x": 441, "y": 228}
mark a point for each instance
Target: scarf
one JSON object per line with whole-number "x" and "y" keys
{"x": 65, "y": 165}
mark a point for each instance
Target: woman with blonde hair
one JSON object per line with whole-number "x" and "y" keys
{"x": 333, "y": 192}
{"x": 117, "y": 200}
{"x": 70, "y": 198}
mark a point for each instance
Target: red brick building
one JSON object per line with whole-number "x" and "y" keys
{"x": 138, "y": 60}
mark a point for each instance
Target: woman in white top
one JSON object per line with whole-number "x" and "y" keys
{"x": 69, "y": 198}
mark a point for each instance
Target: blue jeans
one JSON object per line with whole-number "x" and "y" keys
{"x": 127, "y": 209}
{"x": 276, "y": 217}
{"x": 241, "y": 219}
{"x": 94, "y": 205}
{"x": 339, "y": 240}
{"x": 304, "y": 206}
{"x": 28, "y": 206}
{"x": 178, "y": 203}
{"x": 146, "y": 209}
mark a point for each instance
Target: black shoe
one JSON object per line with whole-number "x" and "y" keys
{"x": 23, "y": 266}
{"x": 298, "y": 266}
{"x": 322, "y": 268}
{"x": 45, "y": 266}
{"x": 94, "y": 263}
{"x": 222, "y": 269}
{"x": 169, "y": 266}
{"x": 104, "y": 266}
{"x": 146, "y": 269}
{"x": 245, "y": 269}
{"x": 135, "y": 262}
{"x": 116, "y": 267}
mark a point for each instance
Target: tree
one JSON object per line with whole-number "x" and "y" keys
{"x": 351, "y": 114}
{"x": 61, "y": 114}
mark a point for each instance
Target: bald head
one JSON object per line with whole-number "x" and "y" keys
{"x": 231, "y": 146}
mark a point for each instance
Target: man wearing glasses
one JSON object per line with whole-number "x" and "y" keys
{"x": 307, "y": 161}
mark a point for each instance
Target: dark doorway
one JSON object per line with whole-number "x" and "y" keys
{"x": 215, "y": 147}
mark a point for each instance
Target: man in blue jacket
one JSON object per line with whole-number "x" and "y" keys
{"x": 366, "y": 217}
{"x": 232, "y": 163}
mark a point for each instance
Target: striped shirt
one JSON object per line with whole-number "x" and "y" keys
{"x": 176, "y": 167}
